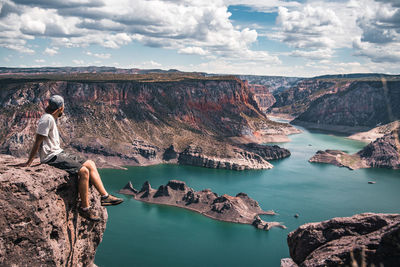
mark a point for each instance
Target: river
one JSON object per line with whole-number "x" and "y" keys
{"x": 141, "y": 234}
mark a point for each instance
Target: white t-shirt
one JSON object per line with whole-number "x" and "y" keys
{"x": 51, "y": 144}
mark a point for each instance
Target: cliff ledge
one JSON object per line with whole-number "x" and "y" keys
{"x": 40, "y": 224}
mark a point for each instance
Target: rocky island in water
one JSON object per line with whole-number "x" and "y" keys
{"x": 238, "y": 209}
{"x": 384, "y": 152}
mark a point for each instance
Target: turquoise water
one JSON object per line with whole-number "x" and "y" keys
{"x": 140, "y": 234}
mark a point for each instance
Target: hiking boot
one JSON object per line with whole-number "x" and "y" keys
{"x": 89, "y": 214}
{"x": 111, "y": 200}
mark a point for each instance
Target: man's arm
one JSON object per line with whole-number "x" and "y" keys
{"x": 38, "y": 140}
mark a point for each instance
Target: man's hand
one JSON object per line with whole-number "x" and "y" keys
{"x": 38, "y": 140}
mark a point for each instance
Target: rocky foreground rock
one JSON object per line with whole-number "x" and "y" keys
{"x": 384, "y": 152}
{"x": 39, "y": 222}
{"x": 362, "y": 239}
{"x": 238, "y": 209}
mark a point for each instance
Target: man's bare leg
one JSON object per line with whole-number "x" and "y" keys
{"x": 95, "y": 177}
{"x": 87, "y": 173}
{"x": 83, "y": 186}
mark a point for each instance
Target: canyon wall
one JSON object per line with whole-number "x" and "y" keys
{"x": 263, "y": 96}
{"x": 363, "y": 103}
{"x": 132, "y": 122}
{"x": 296, "y": 100}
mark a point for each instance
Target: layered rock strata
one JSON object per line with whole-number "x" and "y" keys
{"x": 361, "y": 240}
{"x": 40, "y": 224}
{"x": 263, "y": 96}
{"x": 242, "y": 161}
{"x": 134, "y": 119}
{"x": 297, "y": 99}
{"x": 384, "y": 152}
{"x": 358, "y": 104}
{"x": 238, "y": 209}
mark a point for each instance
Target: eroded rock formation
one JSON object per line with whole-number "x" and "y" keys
{"x": 243, "y": 160}
{"x": 238, "y": 209}
{"x": 40, "y": 224}
{"x": 367, "y": 238}
{"x": 384, "y": 152}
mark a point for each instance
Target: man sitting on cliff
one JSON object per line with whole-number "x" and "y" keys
{"x": 47, "y": 142}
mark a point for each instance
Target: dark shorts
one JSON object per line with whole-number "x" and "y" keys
{"x": 69, "y": 162}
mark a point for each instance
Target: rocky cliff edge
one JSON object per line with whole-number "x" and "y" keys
{"x": 367, "y": 239}
{"x": 40, "y": 224}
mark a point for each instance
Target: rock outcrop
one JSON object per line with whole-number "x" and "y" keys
{"x": 40, "y": 224}
{"x": 267, "y": 152}
{"x": 121, "y": 119}
{"x": 339, "y": 158}
{"x": 384, "y": 152}
{"x": 376, "y": 132}
{"x": 263, "y": 96}
{"x": 242, "y": 160}
{"x": 238, "y": 209}
{"x": 366, "y": 238}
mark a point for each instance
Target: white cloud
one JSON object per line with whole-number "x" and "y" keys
{"x": 40, "y": 60}
{"x": 380, "y": 38}
{"x": 317, "y": 29}
{"x": 313, "y": 54}
{"x": 193, "y": 50}
{"x": 380, "y": 53}
{"x": 263, "y": 5}
{"x": 47, "y": 22}
{"x": 309, "y": 27}
{"x": 19, "y": 48}
{"x": 78, "y": 62}
{"x": 314, "y": 30}
{"x": 99, "y": 55}
{"x": 147, "y": 65}
{"x": 51, "y": 51}
{"x": 190, "y": 27}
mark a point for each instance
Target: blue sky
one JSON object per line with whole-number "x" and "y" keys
{"x": 275, "y": 37}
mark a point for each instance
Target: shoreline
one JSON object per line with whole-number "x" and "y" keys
{"x": 281, "y": 116}
{"x": 329, "y": 128}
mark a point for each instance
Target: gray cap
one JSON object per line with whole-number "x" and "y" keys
{"x": 56, "y": 102}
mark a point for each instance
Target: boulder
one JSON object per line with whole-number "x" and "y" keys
{"x": 366, "y": 238}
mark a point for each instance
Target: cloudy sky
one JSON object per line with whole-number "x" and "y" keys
{"x": 264, "y": 37}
